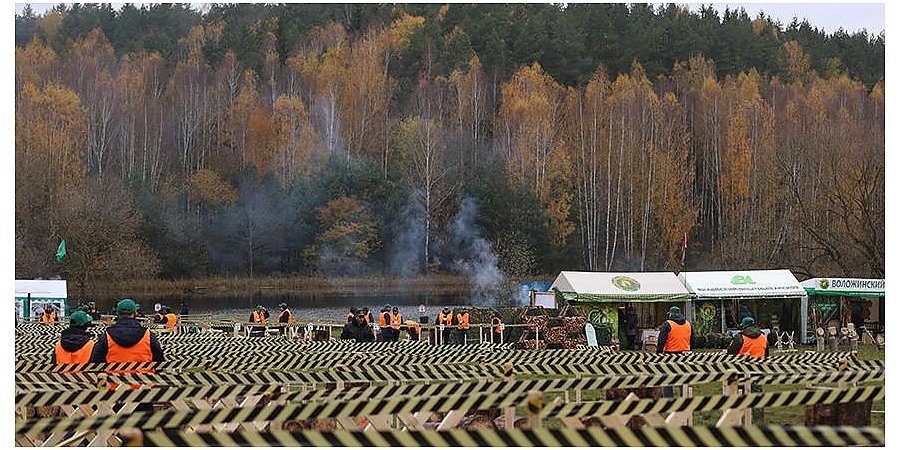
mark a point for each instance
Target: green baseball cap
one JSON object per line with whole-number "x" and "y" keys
{"x": 282, "y": 305}
{"x": 79, "y": 319}
{"x": 126, "y": 306}
{"x": 747, "y": 321}
{"x": 259, "y": 307}
{"x": 674, "y": 310}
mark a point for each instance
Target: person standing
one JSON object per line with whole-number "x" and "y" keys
{"x": 396, "y": 320}
{"x": 496, "y": 328}
{"x": 384, "y": 319}
{"x": 184, "y": 308}
{"x": 750, "y": 341}
{"x": 75, "y": 344}
{"x": 352, "y": 314}
{"x": 445, "y": 318}
{"x": 285, "y": 317}
{"x": 675, "y": 334}
{"x": 462, "y": 325}
{"x": 127, "y": 340}
{"x": 48, "y": 316}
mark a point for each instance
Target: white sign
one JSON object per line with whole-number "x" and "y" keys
{"x": 749, "y": 283}
{"x": 862, "y": 285}
{"x": 422, "y": 309}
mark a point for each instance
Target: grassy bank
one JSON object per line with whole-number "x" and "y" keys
{"x": 433, "y": 284}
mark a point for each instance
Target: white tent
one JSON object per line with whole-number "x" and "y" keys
{"x": 33, "y": 295}
{"x": 746, "y": 285}
{"x": 620, "y": 287}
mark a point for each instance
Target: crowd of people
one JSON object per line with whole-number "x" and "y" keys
{"x": 127, "y": 340}
{"x": 450, "y": 327}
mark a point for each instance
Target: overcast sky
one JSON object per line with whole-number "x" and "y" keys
{"x": 828, "y": 16}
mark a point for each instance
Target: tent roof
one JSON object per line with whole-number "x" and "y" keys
{"x": 620, "y": 286}
{"x": 745, "y": 284}
{"x": 847, "y": 287}
{"x": 41, "y": 288}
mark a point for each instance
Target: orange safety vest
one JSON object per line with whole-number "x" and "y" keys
{"x": 446, "y": 319}
{"x": 80, "y": 356}
{"x": 290, "y": 317}
{"x": 496, "y": 321}
{"x": 259, "y": 317}
{"x": 49, "y": 319}
{"x": 754, "y": 347}
{"x": 381, "y": 320}
{"x": 396, "y": 320}
{"x": 679, "y": 338}
{"x": 367, "y": 318}
{"x": 139, "y": 352}
{"x": 463, "y": 320}
{"x": 171, "y": 320}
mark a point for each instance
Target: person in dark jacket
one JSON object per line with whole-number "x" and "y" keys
{"x": 184, "y": 308}
{"x": 129, "y": 337}
{"x": 358, "y": 330}
{"x": 75, "y": 344}
{"x": 676, "y": 334}
{"x": 750, "y": 341}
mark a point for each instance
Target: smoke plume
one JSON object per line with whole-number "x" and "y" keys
{"x": 474, "y": 257}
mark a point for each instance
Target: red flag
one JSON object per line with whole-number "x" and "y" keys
{"x": 683, "y": 249}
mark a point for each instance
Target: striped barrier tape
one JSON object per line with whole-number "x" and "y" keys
{"x": 717, "y": 402}
{"x": 367, "y": 374}
{"x": 150, "y": 395}
{"x": 770, "y": 436}
{"x": 280, "y": 413}
{"x": 303, "y": 362}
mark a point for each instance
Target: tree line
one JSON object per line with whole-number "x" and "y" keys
{"x": 343, "y": 140}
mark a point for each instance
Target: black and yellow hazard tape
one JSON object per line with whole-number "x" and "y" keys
{"x": 690, "y": 367}
{"x": 327, "y": 409}
{"x": 718, "y": 402}
{"x": 770, "y": 436}
{"x": 149, "y": 395}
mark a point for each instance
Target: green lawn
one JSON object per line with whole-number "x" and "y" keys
{"x": 780, "y": 416}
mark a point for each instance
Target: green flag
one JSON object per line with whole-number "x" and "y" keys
{"x": 61, "y": 251}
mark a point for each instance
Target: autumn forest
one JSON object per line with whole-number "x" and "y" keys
{"x": 267, "y": 140}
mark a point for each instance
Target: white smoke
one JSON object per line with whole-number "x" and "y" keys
{"x": 474, "y": 257}
{"x": 408, "y": 250}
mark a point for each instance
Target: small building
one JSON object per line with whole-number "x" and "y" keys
{"x": 614, "y": 301}
{"x": 32, "y": 296}
{"x": 721, "y": 299}
{"x": 839, "y": 301}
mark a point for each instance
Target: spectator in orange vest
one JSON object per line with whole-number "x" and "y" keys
{"x": 75, "y": 344}
{"x": 675, "y": 334}
{"x": 260, "y": 316}
{"x": 496, "y": 328}
{"x": 48, "y": 317}
{"x": 285, "y": 317}
{"x": 462, "y": 325}
{"x": 171, "y": 319}
{"x": 127, "y": 340}
{"x": 395, "y": 321}
{"x": 445, "y": 317}
{"x": 750, "y": 341}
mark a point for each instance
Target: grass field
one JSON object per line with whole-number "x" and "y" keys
{"x": 772, "y": 416}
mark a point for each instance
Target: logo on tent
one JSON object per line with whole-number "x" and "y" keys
{"x": 823, "y": 283}
{"x": 741, "y": 279}
{"x": 626, "y": 283}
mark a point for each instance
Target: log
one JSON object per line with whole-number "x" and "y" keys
{"x": 842, "y": 414}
